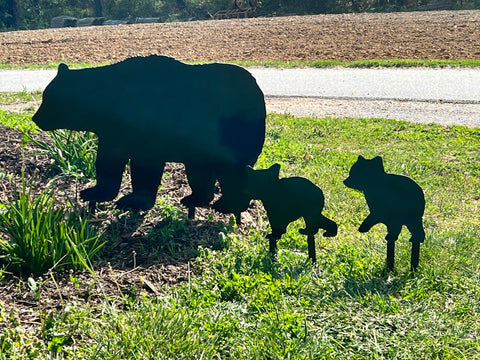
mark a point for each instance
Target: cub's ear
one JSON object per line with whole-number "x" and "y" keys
{"x": 360, "y": 158}
{"x": 62, "y": 68}
{"x": 378, "y": 161}
{"x": 274, "y": 170}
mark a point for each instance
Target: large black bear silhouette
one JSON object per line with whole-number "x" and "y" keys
{"x": 286, "y": 200}
{"x": 154, "y": 109}
{"x": 393, "y": 200}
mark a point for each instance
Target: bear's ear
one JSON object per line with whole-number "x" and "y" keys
{"x": 378, "y": 162}
{"x": 274, "y": 170}
{"x": 62, "y": 68}
{"x": 360, "y": 158}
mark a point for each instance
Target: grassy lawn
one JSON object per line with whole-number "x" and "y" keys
{"x": 241, "y": 305}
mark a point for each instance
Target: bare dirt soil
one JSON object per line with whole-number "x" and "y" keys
{"x": 418, "y": 35}
{"x": 139, "y": 256}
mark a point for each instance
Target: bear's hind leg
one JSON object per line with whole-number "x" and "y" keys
{"x": 202, "y": 182}
{"x": 109, "y": 171}
{"x": 234, "y": 199}
{"x": 145, "y": 182}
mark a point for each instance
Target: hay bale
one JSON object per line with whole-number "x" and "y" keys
{"x": 115, "y": 22}
{"x": 63, "y": 21}
{"x": 90, "y": 21}
{"x": 147, "y": 20}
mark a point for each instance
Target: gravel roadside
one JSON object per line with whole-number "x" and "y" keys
{"x": 417, "y": 112}
{"x": 414, "y": 111}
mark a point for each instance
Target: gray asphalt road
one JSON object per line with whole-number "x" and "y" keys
{"x": 448, "y": 96}
{"x": 373, "y": 84}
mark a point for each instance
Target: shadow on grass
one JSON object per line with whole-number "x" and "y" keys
{"x": 141, "y": 240}
{"x": 384, "y": 286}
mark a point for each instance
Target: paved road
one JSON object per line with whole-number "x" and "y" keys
{"x": 448, "y": 96}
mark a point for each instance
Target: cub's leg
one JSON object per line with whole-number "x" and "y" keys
{"x": 312, "y": 224}
{"x": 312, "y": 253}
{"x": 318, "y": 221}
{"x": 145, "y": 182}
{"x": 392, "y": 236}
{"x": 278, "y": 229}
{"x": 330, "y": 227}
{"x": 109, "y": 168}
{"x": 418, "y": 236}
{"x": 202, "y": 182}
{"x": 368, "y": 223}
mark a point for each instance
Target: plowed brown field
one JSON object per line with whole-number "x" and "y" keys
{"x": 418, "y": 35}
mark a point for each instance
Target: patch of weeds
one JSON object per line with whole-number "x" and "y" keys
{"x": 20, "y": 97}
{"x": 19, "y": 121}
{"x": 83, "y": 292}
{"x": 40, "y": 236}
{"x": 74, "y": 152}
{"x": 167, "y": 232}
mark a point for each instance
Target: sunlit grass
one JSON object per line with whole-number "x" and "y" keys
{"x": 242, "y": 305}
{"x": 19, "y": 97}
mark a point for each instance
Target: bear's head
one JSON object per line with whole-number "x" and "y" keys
{"x": 365, "y": 173}
{"x": 59, "y": 108}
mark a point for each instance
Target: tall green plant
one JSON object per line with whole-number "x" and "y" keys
{"x": 74, "y": 152}
{"x": 40, "y": 236}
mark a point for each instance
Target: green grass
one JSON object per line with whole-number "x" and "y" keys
{"x": 432, "y": 63}
{"x": 18, "y": 97}
{"x": 243, "y": 306}
{"x": 20, "y": 121}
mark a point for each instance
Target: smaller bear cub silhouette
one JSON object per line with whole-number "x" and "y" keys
{"x": 393, "y": 200}
{"x": 286, "y": 200}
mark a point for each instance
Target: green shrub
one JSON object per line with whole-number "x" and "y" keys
{"x": 40, "y": 236}
{"x": 74, "y": 152}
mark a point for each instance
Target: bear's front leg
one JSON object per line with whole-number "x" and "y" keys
{"x": 145, "y": 182}
{"x": 109, "y": 169}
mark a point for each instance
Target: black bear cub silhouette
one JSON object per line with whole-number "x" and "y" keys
{"x": 286, "y": 200}
{"x": 154, "y": 109}
{"x": 393, "y": 200}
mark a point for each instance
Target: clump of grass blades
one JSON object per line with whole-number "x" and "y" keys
{"x": 41, "y": 236}
{"x": 74, "y": 152}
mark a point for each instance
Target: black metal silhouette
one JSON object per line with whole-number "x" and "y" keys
{"x": 154, "y": 109}
{"x": 286, "y": 200}
{"x": 393, "y": 200}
